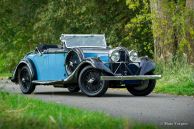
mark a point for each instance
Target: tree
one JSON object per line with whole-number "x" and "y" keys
{"x": 139, "y": 27}
{"x": 190, "y": 29}
{"x": 172, "y": 25}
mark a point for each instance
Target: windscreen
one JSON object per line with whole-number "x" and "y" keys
{"x": 72, "y": 41}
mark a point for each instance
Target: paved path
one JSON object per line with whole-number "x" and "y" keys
{"x": 167, "y": 111}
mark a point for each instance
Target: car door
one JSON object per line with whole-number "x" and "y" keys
{"x": 41, "y": 62}
{"x": 56, "y": 68}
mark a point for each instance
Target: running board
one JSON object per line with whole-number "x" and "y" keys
{"x": 135, "y": 77}
{"x": 47, "y": 82}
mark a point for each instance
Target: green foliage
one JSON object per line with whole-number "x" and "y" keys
{"x": 172, "y": 27}
{"x": 128, "y": 23}
{"x": 21, "y": 112}
{"x": 27, "y": 23}
{"x": 139, "y": 27}
{"x": 15, "y": 31}
{"x": 177, "y": 77}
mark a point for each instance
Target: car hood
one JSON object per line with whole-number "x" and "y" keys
{"x": 100, "y": 53}
{"x": 95, "y": 50}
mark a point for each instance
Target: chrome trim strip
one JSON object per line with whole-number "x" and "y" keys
{"x": 135, "y": 77}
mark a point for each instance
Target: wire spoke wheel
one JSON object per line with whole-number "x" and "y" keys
{"x": 90, "y": 83}
{"x": 72, "y": 61}
{"x": 145, "y": 88}
{"x": 25, "y": 80}
{"x": 91, "y": 80}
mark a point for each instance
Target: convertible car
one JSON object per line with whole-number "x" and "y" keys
{"x": 84, "y": 62}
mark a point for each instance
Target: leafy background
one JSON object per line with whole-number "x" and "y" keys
{"x": 152, "y": 27}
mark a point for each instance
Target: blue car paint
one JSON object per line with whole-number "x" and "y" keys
{"x": 50, "y": 67}
{"x": 103, "y": 56}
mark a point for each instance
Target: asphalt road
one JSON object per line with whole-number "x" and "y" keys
{"x": 167, "y": 111}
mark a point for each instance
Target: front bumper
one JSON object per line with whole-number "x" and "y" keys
{"x": 134, "y": 77}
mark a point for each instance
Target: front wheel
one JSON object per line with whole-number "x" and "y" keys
{"x": 145, "y": 88}
{"x": 25, "y": 80}
{"x": 90, "y": 83}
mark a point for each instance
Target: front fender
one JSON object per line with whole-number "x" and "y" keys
{"x": 96, "y": 63}
{"x": 23, "y": 62}
{"x": 146, "y": 66}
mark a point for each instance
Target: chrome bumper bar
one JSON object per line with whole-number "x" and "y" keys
{"x": 135, "y": 77}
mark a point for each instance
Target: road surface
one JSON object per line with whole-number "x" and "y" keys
{"x": 167, "y": 111}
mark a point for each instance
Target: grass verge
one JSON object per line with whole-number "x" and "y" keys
{"x": 5, "y": 75}
{"x": 177, "y": 78}
{"x": 21, "y": 112}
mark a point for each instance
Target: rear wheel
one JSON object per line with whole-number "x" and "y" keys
{"x": 90, "y": 83}
{"x": 73, "y": 89}
{"x": 25, "y": 80}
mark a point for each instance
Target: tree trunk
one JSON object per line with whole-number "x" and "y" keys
{"x": 165, "y": 40}
{"x": 190, "y": 30}
{"x": 171, "y": 35}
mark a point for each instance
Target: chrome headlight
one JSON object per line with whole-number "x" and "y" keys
{"x": 133, "y": 56}
{"x": 115, "y": 55}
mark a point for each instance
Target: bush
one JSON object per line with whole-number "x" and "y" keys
{"x": 177, "y": 77}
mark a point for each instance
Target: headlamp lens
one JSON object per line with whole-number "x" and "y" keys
{"x": 115, "y": 56}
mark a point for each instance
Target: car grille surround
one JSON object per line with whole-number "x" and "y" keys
{"x": 124, "y": 66}
{"x": 124, "y": 57}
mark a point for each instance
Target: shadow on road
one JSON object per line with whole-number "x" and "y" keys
{"x": 59, "y": 93}
{"x": 64, "y": 93}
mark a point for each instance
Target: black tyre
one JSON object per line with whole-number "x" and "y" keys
{"x": 73, "y": 89}
{"x": 25, "y": 80}
{"x": 90, "y": 83}
{"x": 145, "y": 88}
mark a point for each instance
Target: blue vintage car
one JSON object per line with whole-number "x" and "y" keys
{"x": 84, "y": 62}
